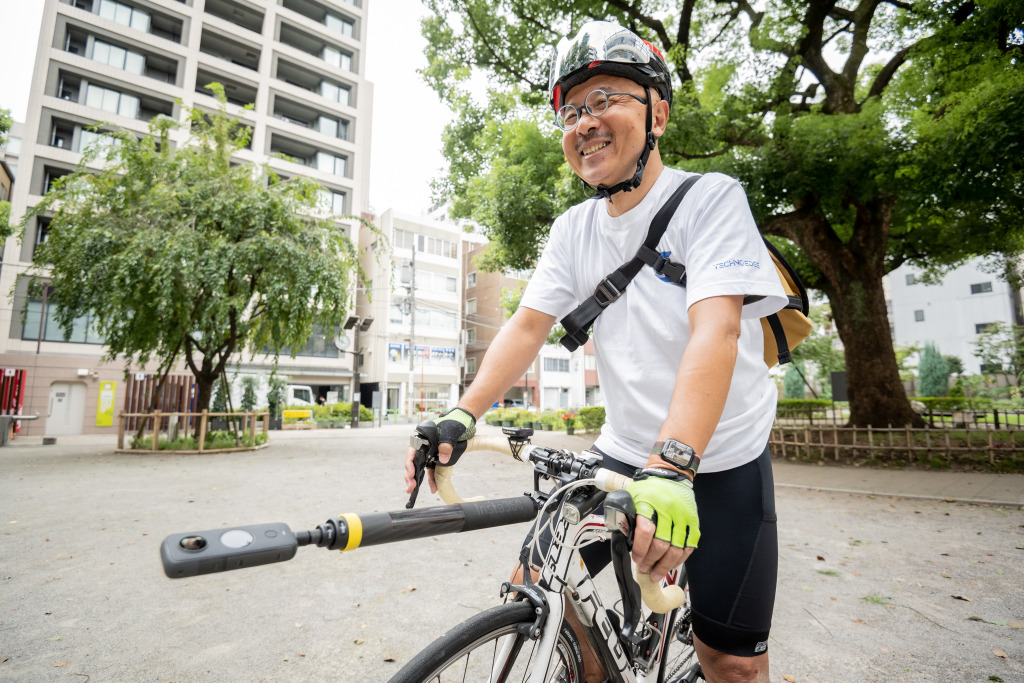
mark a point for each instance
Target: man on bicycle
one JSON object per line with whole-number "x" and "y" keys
{"x": 681, "y": 367}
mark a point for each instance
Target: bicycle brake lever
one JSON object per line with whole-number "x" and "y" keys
{"x": 421, "y": 461}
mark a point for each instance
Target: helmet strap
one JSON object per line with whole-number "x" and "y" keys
{"x": 603, "y": 192}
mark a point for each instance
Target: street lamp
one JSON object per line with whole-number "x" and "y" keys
{"x": 358, "y": 325}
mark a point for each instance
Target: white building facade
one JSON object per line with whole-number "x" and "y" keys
{"x": 950, "y": 314}
{"x": 415, "y": 298}
{"x": 299, "y": 64}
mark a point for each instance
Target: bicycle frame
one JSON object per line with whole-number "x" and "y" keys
{"x": 563, "y": 574}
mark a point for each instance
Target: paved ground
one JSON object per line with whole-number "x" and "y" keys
{"x": 888, "y": 583}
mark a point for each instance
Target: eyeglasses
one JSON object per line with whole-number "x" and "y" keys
{"x": 596, "y": 104}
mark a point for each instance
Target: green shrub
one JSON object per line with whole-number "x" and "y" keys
{"x": 944, "y": 403}
{"x": 592, "y": 418}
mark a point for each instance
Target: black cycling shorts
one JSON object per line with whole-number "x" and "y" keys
{"x": 732, "y": 573}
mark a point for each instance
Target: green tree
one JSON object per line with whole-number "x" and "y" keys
{"x": 821, "y": 350}
{"x": 175, "y": 251}
{"x": 248, "y": 392}
{"x": 5, "y": 207}
{"x": 956, "y": 365}
{"x": 932, "y": 372}
{"x": 1000, "y": 347}
{"x": 510, "y": 299}
{"x": 867, "y": 134}
{"x": 793, "y": 381}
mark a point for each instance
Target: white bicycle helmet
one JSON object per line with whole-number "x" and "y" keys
{"x": 601, "y": 47}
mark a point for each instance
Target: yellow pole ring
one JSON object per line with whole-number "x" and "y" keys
{"x": 355, "y": 530}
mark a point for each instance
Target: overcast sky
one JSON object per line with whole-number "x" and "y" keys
{"x": 405, "y": 153}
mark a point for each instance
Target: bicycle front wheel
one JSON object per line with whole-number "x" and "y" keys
{"x": 490, "y": 647}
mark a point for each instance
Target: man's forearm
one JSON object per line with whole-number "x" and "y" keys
{"x": 508, "y": 357}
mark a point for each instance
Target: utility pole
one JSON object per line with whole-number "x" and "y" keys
{"x": 357, "y": 325}
{"x": 411, "y": 302}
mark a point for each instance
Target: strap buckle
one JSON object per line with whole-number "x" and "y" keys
{"x": 609, "y": 291}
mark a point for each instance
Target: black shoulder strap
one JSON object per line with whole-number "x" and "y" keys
{"x": 577, "y": 323}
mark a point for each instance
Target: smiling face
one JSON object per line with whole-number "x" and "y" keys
{"x": 604, "y": 150}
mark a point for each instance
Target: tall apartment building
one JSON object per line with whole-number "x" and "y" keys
{"x": 415, "y": 296}
{"x": 300, "y": 63}
{"x": 556, "y": 379}
{"x": 951, "y": 313}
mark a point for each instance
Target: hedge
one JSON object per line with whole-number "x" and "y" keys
{"x": 954, "y": 403}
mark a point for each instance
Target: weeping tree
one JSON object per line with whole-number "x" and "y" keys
{"x": 177, "y": 252}
{"x": 867, "y": 134}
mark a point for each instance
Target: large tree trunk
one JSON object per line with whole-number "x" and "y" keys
{"x": 853, "y": 271}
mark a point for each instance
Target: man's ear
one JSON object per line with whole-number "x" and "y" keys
{"x": 659, "y": 120}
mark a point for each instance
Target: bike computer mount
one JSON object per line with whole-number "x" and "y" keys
{"x": 517, "y": 438}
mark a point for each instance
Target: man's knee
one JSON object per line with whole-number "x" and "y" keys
{"x": 720, "y": 667}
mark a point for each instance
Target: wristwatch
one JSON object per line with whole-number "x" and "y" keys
{"x": 678, "y": 454}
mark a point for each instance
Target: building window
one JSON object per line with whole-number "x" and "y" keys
{"x": 338, "y": 58}
{"x": 339, "y": 25}
{"x": 918, "y": 316}
{"x": 404, "y": 239}
{"x": 437, "y": 246}
{"x": 334, "y": 128}
{"x": 395, "y": 314}
{"x": 911, "y": 279}
{"x": 556, "y": 364}
{"x": 981, "y": 288}
{"x": 471, "y": 335}
{"x": 981, "y": 327}
{"x": 83, "y": 330}
{"x": 118, "y": 57}
{"x": 470, "y": 306}
{"x": 332, "y": 202}
{"x": 331, "y": 164}
{"x": 124, "y": 15}
{"x": 335, "y": 93}
{"x": 112, "y": 101}
{"x": 471, "y": 280}
{"x": 471, "y": 365}
{"x": 13, "y": 146}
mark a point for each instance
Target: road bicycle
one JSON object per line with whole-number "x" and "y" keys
{"x": 644, "y": 637}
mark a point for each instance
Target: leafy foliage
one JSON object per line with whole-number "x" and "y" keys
{"x": 933, "y": 372}
{"x": 5, "y": 206}
{"x": 249, "y": 392}
{"x": 176, "y": 251}
{"x": 793, "y": 381}
{"x": 1000, "y": 346}
{"x": 867, "y": 137}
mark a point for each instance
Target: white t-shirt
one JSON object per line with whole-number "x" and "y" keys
{"x": 639, "y": 339}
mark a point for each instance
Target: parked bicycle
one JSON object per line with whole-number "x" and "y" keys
{"x": 643, "y": 637}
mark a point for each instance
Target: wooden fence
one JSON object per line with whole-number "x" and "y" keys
{"x": 162, "y": 423}
{"x": 985, "y": 448}
{"x": 177, "y": 395}
{"x": 991, "y": 418}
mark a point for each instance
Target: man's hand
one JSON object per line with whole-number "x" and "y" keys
{"x": 458, "y": 424}
{"x": 667, "y": 527}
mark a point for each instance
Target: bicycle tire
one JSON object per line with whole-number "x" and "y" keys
{"x": 451, "y": 656}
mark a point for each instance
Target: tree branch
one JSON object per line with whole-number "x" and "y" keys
{"x": 650, "y": 22}
{"x": 888, "y": 71}
{"x": 498, "y": 60}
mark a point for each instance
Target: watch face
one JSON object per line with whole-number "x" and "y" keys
{"x": 679, "y": 454}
